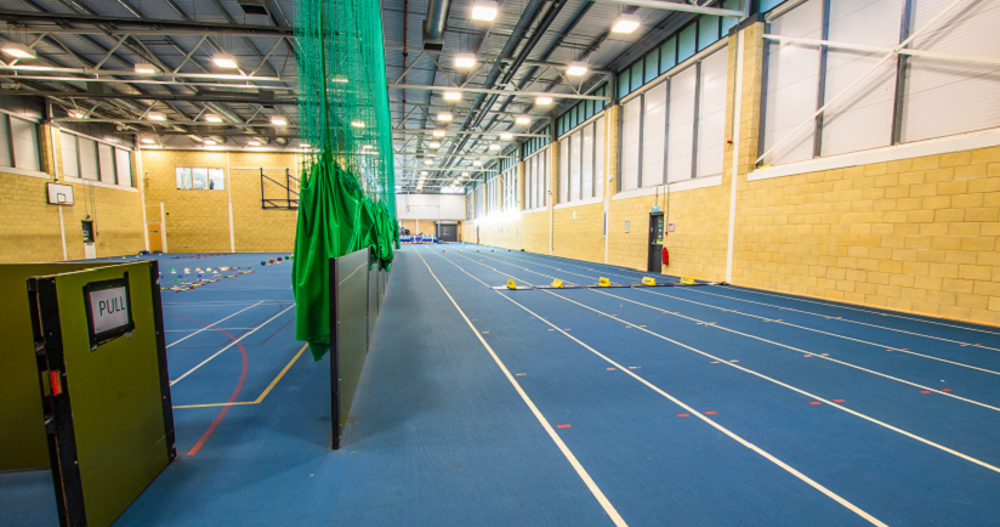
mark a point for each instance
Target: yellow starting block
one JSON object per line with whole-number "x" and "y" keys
{"x": 603, "y": 282}
{"x": 648, "y": 280}
{"x": 687, "y": 281}
{"x": 557, "y": 283}
{"x": 511, "y": 284}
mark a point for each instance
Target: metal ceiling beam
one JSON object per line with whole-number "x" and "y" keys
{"x": 159, "y": 25}
{"x": 676, "y": 6}
{"x": 502, "y": 92}
{"x": 203, "y": 97}
{"x": 463, "y": 132}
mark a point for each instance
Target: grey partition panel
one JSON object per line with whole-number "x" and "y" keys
{"x": 349, "y": 332}
{"x": 373, "y": 273}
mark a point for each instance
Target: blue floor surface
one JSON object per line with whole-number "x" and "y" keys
{"x": 691, "y": 406}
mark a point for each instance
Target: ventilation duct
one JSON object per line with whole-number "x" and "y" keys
{"x": 437, "y": 14}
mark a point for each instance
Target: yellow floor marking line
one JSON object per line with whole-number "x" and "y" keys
{"x": 800, "y": 350}
{"x": 263, "y": 394}
{"x": 763, "y": 453}
{"x": 815, "y": 397}
{"x": 845, "y": 337}
{"x": 582, "y": 472}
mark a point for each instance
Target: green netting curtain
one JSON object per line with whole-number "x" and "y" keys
{"x": 347, "y": 200}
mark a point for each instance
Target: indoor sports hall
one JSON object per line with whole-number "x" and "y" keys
{"x": 492, "y": 262}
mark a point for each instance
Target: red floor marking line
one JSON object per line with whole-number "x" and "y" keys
{"x": 925, "y": 391}
{"x": 564, "y": 426}
{"x": 711, "y": 412}
{"x": 839, "y": 401}
{"x": 232, "y": 399}
{"x": 815, "y": 403}
{"x": 947, "y": 390}
{"x": 683, "y": 415}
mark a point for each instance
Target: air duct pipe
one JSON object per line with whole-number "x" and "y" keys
{"x": 437, "y": 14}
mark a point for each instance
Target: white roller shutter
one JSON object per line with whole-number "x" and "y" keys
{"x": 654, "y": 126}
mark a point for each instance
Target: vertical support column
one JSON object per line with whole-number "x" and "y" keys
{"x": 163, "y": 228}
{"x": 747, "y": 68}
{"x": 229, "y": 187}
{"x": 139, "y": 176}
{"x": 553, "y": 189}
{"x": 611, "y": 160}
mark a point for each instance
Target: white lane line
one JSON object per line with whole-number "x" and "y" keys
{"x": 186, "y": 330}
{"x": 216, "y": 323}
{"x": 819, "y": 356}
{"x": 756, "y": 449}
{"x": 814, "y": 330}
{"x": 862, "y": 323}
{"x": 582, "y": 472}
{"x": 769, "y": 379}
{"x": 231, "y": 344}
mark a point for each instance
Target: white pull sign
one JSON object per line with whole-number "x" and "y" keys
{"x": 109, "y": 309}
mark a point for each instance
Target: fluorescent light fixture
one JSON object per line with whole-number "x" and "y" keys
{"x": 210, "y": 142}
{"x": 543, "y": 101}
{"x": 76, "y": 114}
{"x": 144, "y": 68}
{"x": 148, "y": 141}
{"x": 156, "y": 116}
{"x": 212, "y": 118}
{"x": 225, "y": 61}
{"x": 434, "y": 144}
{"x": 367, "y": 147}
{"x": 445, "y": 117}
{"x": 464, "y": 174}
{"x": 438, "y": 133}
{"x": 523, "y": 119}
{"x": 484, "y": 10}
{"x": 305, "y": 145}
{"x": 18, "y": 50}
{"x": 465, "y": 61}
{"x": 423, "y": 173}
{"x": 253, "y": 143}
{"x": 575, "y": 69}
{"x": 506, "y": 136}
{"x": 477, "y": 163}
{"x": 453, "y": 96}
{"x": 358, "y": 124}
{"x": 279, "y": 121}
{"x": 339, "y": 80}
{"x": 625, "y": 24}
{"x": 428, "y": 162}
{"x": 494, "y": 146}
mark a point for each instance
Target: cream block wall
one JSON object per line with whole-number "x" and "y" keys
{"x": 582, "y": 236}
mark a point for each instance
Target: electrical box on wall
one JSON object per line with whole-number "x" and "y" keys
{"x": 626, "y": 225}
{"x": 656, "y": 208}
{"x": 670, "y": 227}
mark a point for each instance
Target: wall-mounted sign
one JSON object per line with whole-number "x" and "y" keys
{"x": 109, "y": 310}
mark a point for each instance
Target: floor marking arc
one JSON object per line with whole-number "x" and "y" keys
{"x": 263, "y": 394}
{"x": 845, "y": 337}
{"x": 609, "y": 509}
{"x": 691, "y": 411}
{"x": 775, "y": 381}
{"x": 799, "y": 350}
{"x": 212, "y": 325}
{"x": 231, "y": 344}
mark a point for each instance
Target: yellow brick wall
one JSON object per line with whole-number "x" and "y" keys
{"x": 582, "y": 236}
{"x": 31, "y": 230}
{"x": 256, "y": 229}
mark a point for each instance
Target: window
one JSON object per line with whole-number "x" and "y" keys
{"x": 480, "y": 191}
{"x": 581, "y": 169}
{"x": 19, "y": 148}
{"x": 536, "y": 180}
{"x": 91, "y": 160}
{"x": 511, "y": 194}
{"x": 912, "y": 97}
{"x": 675, "y": 130}
{"x": 201, "y": 178}
{"x": 492, "y": 195}
{"x": 564, "y": 156}
{"x": 470, "y": 205}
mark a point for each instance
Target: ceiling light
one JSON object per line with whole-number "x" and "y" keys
{"x": 434, "y": 144}
{"x": 523, "y": 119}
{"x": 438, "y": 133}
{"x": 225, "y": 61}
{"x": 424, "y": 173}
{"x": 358, "y": 124}
{"x": 253, "y": 143}
{"x": 506, "y": 136}
{"x": 484, "y": 10}
{"x": 625, "y": 24}
{"x": 465, "y": 61}
{"x": 367, "y": 147}
{"x": 305, "y": 145}
{"x": 210, "y": 142}
{"x": 279, "y": 121}
{"x": 76, "y": 114}
{"x": 428, "y": 162}
{"x": 156, "y": 116}
{"x": 212, "y": 118}
{"x": 144, "y": 68}
{"x": 477, "y": 163}
{"x": 464, "y": 174}
{"x": 18, "y": 50}
{"x": 445, "y": 116}
{"x": 148, "y": 141}
{"x": 575, "y": 69}
{"x": 453, "y": 96}
{"x": 339, "y": 80}
{"x": 543, "y": 101}
{"x": 494, "y": 146}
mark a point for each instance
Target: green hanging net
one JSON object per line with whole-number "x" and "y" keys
{"x": 347, "y": 200}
